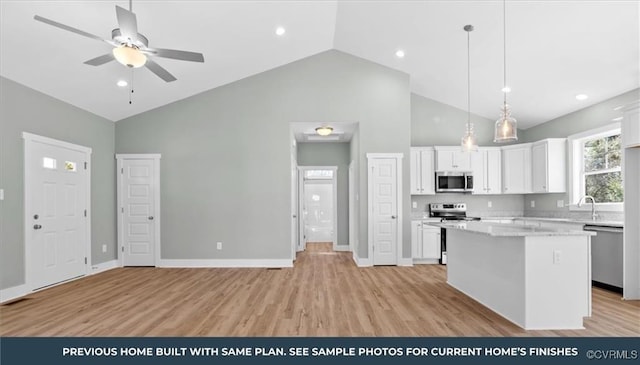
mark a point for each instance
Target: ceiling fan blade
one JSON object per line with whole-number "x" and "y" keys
{"x": 159, "y": 71}
{"x": 128, "y": 23}
{"x": 175, "y": 54}
{"x": 100, "y": 60}
{"x": 70, "y": 29}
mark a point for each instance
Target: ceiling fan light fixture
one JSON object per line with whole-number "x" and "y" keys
{"x": 129, "y": 56}
{"x": 324, "y": 131}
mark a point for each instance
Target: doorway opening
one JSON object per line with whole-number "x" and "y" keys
{"x": 318, "y": 204}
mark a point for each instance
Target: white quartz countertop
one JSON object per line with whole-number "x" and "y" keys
{"x": 509, "y": 229}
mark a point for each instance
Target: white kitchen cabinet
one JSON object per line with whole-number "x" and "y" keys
{"x": 516, "y": 169}
{"x": 548, "y": 166}
{"x": 425, "y": 242}
{"x": 486, "y": 165}
{"x": 452, "y": 158}
{"x": 422, "y": 171}
{"x": 631, "y": 125}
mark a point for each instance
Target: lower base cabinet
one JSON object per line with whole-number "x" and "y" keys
{"x": 425, "y": 242}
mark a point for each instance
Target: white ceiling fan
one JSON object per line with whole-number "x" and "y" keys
{"x": 130, "y": 47}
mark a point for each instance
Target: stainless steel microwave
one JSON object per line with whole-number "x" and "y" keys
{"x": 454, "y": 182}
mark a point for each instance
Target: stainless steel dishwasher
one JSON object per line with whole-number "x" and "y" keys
{"x": 606, "y": 257}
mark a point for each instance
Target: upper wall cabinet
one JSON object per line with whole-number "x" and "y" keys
{"x": 486, "y": 165}
{"x": 548, "y": 166}
{"x": 516, "y": 169}
{"x": 422, "y": 171}
{"x": 451, "y": 158}
{"x": 631, "y": 125}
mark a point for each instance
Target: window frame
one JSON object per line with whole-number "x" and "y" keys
{"x": 576, "y": 167}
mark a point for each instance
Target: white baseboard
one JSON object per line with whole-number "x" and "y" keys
{"x": 226, "y": 263}
{"x": 104, "y": 266}
{"x": 342, "y": 248}
{"x": 426, "y": 261}
{"x": 403, "y": 261}
{"x": 361, "y": 262}
{"x": 12, "y": 293}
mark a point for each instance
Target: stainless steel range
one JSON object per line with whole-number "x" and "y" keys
{"x": 448, "y": 212}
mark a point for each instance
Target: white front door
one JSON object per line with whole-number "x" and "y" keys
{"x": 384, "y": 200}
{"x": 56, "y": 222}
{"x": 318, "y": 210}
{"x": 138, "y": 209}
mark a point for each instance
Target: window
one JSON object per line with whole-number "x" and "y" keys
{"x": 596, "y": 167}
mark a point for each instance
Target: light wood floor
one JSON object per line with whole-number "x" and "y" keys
{"x": 325, "y": 294}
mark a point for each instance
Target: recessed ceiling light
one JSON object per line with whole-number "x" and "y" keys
{"x": 122, "y": 83}
{"x": 582, "y": 97}
{"x": 506, "y": 89}
{"x": 400, "y": 53}
{"x": 280, "y": 31}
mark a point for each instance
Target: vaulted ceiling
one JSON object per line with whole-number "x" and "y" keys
{"x": 555, "y": 49}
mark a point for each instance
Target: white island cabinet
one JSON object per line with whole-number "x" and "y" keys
{"x": 538, "y": 278}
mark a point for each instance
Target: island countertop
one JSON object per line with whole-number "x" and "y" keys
{"x": 508, "y": 229}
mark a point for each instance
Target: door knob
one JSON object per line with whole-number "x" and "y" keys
{"x": 393, "y": 217}
{"x": 37, "y": 226}
{"x": 295, "y": 216}
{"x": 150, "y": 217}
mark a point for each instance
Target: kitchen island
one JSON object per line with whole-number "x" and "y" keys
{"x": 538, "y": 278}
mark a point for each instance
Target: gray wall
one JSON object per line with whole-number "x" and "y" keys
{"x": 595, "y": 116}
{"x": 437, "y": 124}
{"x": 26, "y": 110}
{"x": 225, "y": 164}
{"x": 332, "y": 154}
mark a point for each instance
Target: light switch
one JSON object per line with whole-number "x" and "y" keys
{"x": 489, "y": 204}
{"x": 557, "y": 256}
{"x": 1, "y": 194}
{"x": 533, "y": 204}
{"x": 560, "y": 204}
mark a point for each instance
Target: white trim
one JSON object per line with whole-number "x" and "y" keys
{"x": 399, "y": 230}
{"x": 574, "y": 144}
{"x": 404, "y": 261}
{"x": 361, "y": 262}
{"x": 29, "y": 139}
{"x": 342, "y": 248}
{"x": 213, "y": 263}
{"x": 14, "y": 292}
{"x": 352, "y": 204}
{"x": 334, "y": 182}
{"x": 157, "y": 216}
{"x": 138, "y": 156}
{"x": 104, "y": 266}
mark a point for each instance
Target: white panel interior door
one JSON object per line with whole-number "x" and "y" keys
{"x": 385, "y": 210}
{"x": 139, "y": 209}
{"x": 56, "y": 198}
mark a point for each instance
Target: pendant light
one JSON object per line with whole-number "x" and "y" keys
{"x": 469, "y": 141}
{"x": 506, "y": 129}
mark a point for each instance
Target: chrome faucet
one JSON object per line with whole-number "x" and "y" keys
{"x": 593, "y": 205}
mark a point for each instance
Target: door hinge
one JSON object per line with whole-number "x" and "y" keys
{"x": 122, "y": 248}
{"x": 122, "y": 170}
{"x": 85, "y": 165}
{"x": 85, "y": 260}
{"x": 85, "y": 212}
{"x": 122, "y": 210}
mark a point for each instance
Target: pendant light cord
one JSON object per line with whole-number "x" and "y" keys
{"x": 468, "y": 81}
{"x": 131, "y": 6}
{"x": 504, "y": 45}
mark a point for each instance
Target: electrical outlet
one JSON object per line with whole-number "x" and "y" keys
{"x": 557, "y": 256}
{"x": 560, "y": 204}
{"x": 104, "y": 248}
{"x": 533, "y": 204}
{"x": 414, "y": 205}
{"x": 219, "y": 245}
{"x": 489, "y": 204}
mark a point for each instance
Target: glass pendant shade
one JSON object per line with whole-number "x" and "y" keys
{"x": 129, "y": 56}
{"x": 506, "y": 129}
{"x": 469, "y": 141}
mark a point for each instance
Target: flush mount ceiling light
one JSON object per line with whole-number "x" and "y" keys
{"x": 280, "y": 31}
{"x": 324, "y": 131}
{"x": 469, "y": 141}
{"x": 400, "y": 53}
{"x": 129, "y": 56}
{"x": 506, "y": 129}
